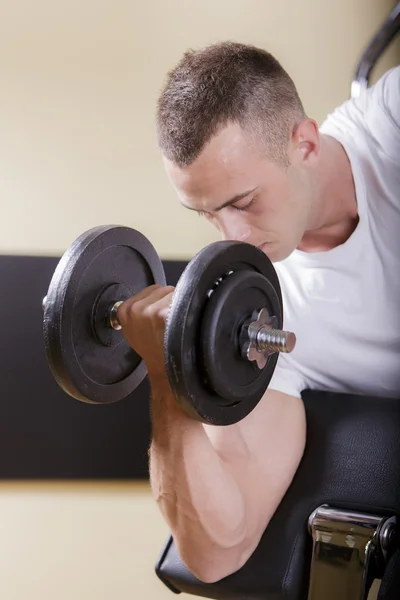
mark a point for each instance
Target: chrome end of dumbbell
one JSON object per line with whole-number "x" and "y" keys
{"x": 113, "y": 316}
{"x": 264, "y": 339}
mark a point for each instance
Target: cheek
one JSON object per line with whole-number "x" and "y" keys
{"x": 259, "y": 210}
{"x": 212, "y": 220}
{"x": 264, "y": 216}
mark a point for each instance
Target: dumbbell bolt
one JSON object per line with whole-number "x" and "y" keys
{"x": 275, "y": 340}
{"x": 260, "y": 338}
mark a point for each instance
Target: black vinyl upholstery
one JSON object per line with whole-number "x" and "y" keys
{"x": 351, "y": 461}
{"x": 45, "y": 434}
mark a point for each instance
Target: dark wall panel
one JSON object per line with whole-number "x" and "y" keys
{"x": 44, "y": 433}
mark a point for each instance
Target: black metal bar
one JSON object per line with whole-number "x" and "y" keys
{"x": 374, "y": 50}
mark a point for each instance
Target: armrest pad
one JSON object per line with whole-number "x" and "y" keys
{"x": 351, "y": 461}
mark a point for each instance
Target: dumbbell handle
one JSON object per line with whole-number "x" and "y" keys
{"x": 114, "y": 321}
{"x": 262, "y": 338}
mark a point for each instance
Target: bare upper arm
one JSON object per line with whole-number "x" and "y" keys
{"x": 276, "y": 434}
{"x": 276, "y": 416}
{"x": 263, "y": 452}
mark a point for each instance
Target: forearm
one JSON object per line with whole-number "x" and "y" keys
{"x": 194, "y": 487}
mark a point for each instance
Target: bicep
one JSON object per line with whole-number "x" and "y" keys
{"x": 262, "y": 452}
{"x": 276, "y": 434}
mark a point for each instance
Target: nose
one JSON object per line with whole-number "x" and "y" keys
{"x": 233, "y": 228}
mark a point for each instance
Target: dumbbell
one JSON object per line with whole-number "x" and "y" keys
{"x": 223, "y": 333}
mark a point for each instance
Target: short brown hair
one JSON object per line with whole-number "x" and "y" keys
{"x": 223, "y": 83}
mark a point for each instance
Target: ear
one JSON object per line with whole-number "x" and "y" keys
{"x": 305, "y": 142}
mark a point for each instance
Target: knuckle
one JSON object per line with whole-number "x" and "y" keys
{"x": 148, "y": 310}
{"x": 134, "y": 310}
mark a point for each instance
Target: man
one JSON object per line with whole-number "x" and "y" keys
{"x": 324, "y": 205}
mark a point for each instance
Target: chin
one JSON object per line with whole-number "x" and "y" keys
{"x": 276, "y": 254}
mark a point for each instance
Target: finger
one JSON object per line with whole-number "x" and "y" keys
{"x": 149, "y": 296}
{"x": 144, "y": 293}
{"x": 153, "y": 292}
{"x": 162, "y": 306}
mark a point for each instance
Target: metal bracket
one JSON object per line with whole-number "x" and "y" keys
{"x": 350, "y": 551}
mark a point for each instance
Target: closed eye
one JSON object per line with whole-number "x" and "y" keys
{"x": 237, "y": 208}
{"x": 245, "y": 208}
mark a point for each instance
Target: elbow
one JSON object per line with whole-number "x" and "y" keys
{"x": 213, "y": 575}
{"x": 208, "y": 572}
{"x": 214, "y": 566}
{"x": 210, "y": 577}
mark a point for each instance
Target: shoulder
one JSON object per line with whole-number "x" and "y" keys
{"x": 385, "y": 94}
{"x": 373, "y": 117}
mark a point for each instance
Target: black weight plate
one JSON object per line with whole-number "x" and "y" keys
{"x": 91, "y": 361}
{"x": 234, "y": 301}
{"x": 183, "y": 336}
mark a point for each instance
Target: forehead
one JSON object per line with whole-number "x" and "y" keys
{"x": 228, "y": 159}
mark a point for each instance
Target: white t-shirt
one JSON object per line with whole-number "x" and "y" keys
{"x": 344, "y": 304}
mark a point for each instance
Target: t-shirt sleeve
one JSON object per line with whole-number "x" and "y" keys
{"x": 287, "y": 379}
{"x": 391, "y": 95}
{"x": 376, "y": 110}
{"x": 382, "y": 114}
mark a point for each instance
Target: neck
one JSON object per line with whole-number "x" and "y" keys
{"x": 335, "y": 215}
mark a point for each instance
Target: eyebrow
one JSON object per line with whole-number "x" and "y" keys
{"x": 227, "y": 203}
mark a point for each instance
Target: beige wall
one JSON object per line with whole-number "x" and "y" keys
{"x": 79, "y": 541}
{"x": 79, "y": 81}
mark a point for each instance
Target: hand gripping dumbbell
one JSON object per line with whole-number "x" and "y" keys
{"x": 223, "y": 333}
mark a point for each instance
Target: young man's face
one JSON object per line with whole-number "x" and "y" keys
{"x": 245, "y": 195}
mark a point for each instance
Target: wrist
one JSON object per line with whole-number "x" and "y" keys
{"x": 164, "y": 406}
{"x": 158, "y": 379}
